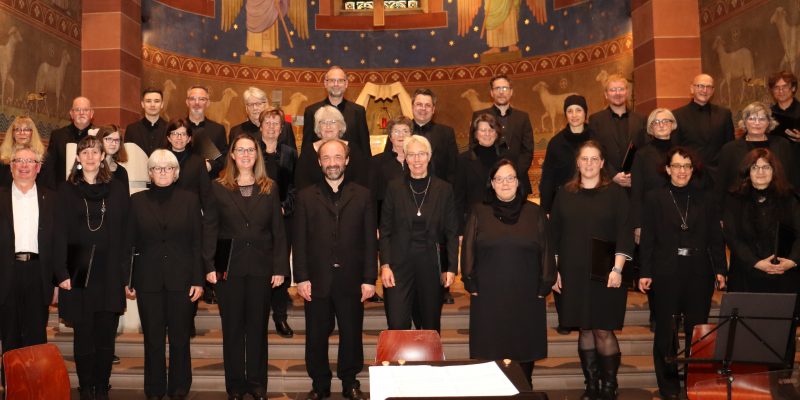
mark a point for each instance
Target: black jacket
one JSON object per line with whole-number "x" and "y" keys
{"x": 285, "y": 137}
{"x": 704, "y": 129}
{"x": 615, "y": 133}
{"x": 210, "y": 130}
{"x": 147, "y": 136}
{"x": 559, "y": 163}
{"x": 355, "y": 117}
{"x": 282, "y": 172}
{"x": 54, "y": 170}
{"x": 472, "y": 177}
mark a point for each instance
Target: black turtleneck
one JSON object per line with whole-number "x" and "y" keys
{"x": 487, "y": 155}
{"x": 161, "y": 193}
{"x": 507, "y": 211}
{"x": 662, "y": 145}
{"x": 182, "y": 156}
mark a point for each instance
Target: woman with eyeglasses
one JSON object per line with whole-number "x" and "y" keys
{"x": 757, "y": 123}
{"x": 22, "y": 131}
{"x": 246, "y": 211}
{"x": 92, "y": 283}
{"x": 255, "y": 103}
{"x": 418, "y": 213}
{"x": 391, "y": 164}
{"x": 330, "y": 124}
{"x": 590, "y": 207}
{"x": 507, "y": 258}
{"x": 168, "y": 272}
{"x": 280, "y": 160}
{"x": 682, "y": 256}
{"x": 114, "y": 147}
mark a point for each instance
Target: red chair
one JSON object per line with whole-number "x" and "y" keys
{"x": 410, "y": 345}
{"x": 36, "y": 372}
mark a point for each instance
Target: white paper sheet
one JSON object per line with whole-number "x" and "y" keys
{"x": 484, "y": 379}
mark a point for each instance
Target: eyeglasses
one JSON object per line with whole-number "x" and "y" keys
{"x": 762, "y": 168}
{"x": 328, "y": 122}
{"x": 702, "y": 86}
{"x": 244, "y": 150}
{"x": 26, "y": 130}
{"x": 81, "y": 110}
{"x": 255, "y": 105}
{"x": 504, "y": 179}
{"x": 590, "y": 160}
{"x": 401, "y": 132}
{"x": 616, "y": 89}
{"x": 780, "y": 88}
{"x": 336, "y": 81}
{"x": 162, "y": 170}
{"x": 24, "y": 161}
{"x": 757, "y": 119}
{"x": 197, "y": 99}
{"x": 420, "y": 155}
{"x": 681, "y": 167}
{"x": 661, "y": 122}
{"x": 501, "y": 88}
{"x": 112, "y": 140}
{"x": 177, "y": 134}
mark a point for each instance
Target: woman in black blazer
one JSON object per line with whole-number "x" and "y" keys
{"x": 165, "y": 231}
{"x": 418, "y": 213}
{"x": 92, "y": 296}
{"x": 682, "y": 256}
{"x": 246, "y": 210}
{"x": 194, "y": 172}
{"x": 391, "y": 164}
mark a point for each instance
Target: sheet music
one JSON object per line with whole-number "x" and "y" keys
{"x": 484, "y": 379}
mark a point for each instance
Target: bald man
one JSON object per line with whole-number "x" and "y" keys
{"x": 54, "y": 170}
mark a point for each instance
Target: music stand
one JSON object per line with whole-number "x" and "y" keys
{"x": 754, "y": 328}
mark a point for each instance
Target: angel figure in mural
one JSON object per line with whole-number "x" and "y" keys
{"x": 500, "y": 20}
{"x": 263, "y": 18}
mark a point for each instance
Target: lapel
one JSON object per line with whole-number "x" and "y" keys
{"x": 347, "y": 195}
{"x": 43, "y": 212}
{"x": 158, "y": 217}
{"x": 323, "y": 199}
{"x": 7, "y": 207}
{"x": 242, "y": 205}
{"x": 431, "y": 202}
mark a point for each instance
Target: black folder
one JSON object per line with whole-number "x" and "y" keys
{"x": 784, "y": 240}
{"x": 627, "y": 162}
{"x": 134, "y": 257}
{"x": 80, "y": 258}
{"x": 222, "y": 258}
{"x": 206, "y": 148}
{"x": 603, "y": 254}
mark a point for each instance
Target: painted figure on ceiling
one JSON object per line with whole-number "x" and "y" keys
{"x": 263, "y": 18}
{"x": 500, "y": 21}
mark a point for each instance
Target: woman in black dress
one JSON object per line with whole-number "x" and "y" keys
{"x": 472, "y": 174}
{"x": 390, "y": 164}
{"x": 247, "y": 210}
{"x": 589, "y": 207}
{"x": 280, "y": 160}
{"x": 417, "y": 214}
{"x": 22, "y": 131}
{"x": 164, "y": 228}
{"x": 93, "y": 222}
{"x": 682, "y": 253}
{"x": 114, "y": 147}
{"x": 506, "y": 259}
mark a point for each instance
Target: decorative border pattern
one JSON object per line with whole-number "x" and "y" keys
{"x": 603, "y": 52}
{"x": 720, "y": 10}
{"x": 43, "y": 15}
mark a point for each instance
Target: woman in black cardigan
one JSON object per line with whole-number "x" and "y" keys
{"x": 92, "y": 296}
{"x": 246, "y": 210}
{"x": 417, "y": 214}
{"x": 682, "y": 256}
{"x": 165, "y": 231}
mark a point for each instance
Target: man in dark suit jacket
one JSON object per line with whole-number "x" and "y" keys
{"x": 204, "y": 129}
{"x": 54, "y": 170}
{"x": 334, "y": 248}
{"x": 355, "y": 116}
{"x": 150, "y": 132}
{"x": 28, "y": 246}
{"x": 516, "y": 125}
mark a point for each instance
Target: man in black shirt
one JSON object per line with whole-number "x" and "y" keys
{"x": 54, "y": 170}
{"x": 355, "y": 116}
{"x": 204, "y": 129}
{"x": 441, "y": 137}
{"x": 150, "y": 132}
{"x": 616, "y": 127}
{"x": 786, "y": 110}
{"x": 255, "y": 102}
{"x": 702, "y": 126}
{"x": 516, "y": 124}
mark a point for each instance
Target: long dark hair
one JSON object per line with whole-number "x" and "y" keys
{"x": 779, "y": 182}
{"x": 490, "y": 193}
{"x": 574, "y": 184}
{"x": 103, "y": 174}
{"x": 229, "y": 174}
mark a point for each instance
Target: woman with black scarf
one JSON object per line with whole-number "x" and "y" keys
{"x": 92, "y": 296}
{"x": 506, "y": 258}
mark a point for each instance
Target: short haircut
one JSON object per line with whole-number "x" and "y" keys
{"x": 254, "y": 92}
{"x": 38, "y": 156}
{"x": 500, "y": 76}
{"x": 685, "y": 152}
{"x": 164, "y": 158}
{"x": 272, "y": 112}
{"x": 399, "y": 120}
{"x": 197, "y": 86}
{"x": 653, "y": 115}
{"x": 417, "y": 139}
{"x": 333, "y": 67}
{"x": 326, "y": 113}
{"x": 106, "y": 130}
{"x": 616, "y": 78}
{"x": 151, "y": 89}
{"x": 173, "y": 125}
{"x": 755, "y": 108}
{"x": 490, "y": 193}
{"x": 489, "y": 119}
{"x": 423, "y": 92}
{"x": 786, "y": 76}
{"x": 340, "y": 141}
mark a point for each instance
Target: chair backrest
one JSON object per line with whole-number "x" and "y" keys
{"x": 410, "y": 345}
{"x": 36, "y": 372}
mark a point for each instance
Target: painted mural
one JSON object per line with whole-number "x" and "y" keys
{"x": 42, "y": 82}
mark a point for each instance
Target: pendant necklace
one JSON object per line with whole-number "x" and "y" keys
{"x": 424, "y": 194}
{"x": 684, "y": 225}
{"x": 102, "y": 215}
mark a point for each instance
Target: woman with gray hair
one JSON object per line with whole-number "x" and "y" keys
{"x": 165, "y": 235}
{"x": 757, "y": 122}
{"x": 255, "y": 103}
{"x": 330, "y": 124}
{"x": 418, "y": 213}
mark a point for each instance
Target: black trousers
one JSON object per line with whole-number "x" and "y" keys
{"x": 346, "y": 308}
{"x": 244, "y": 310}
{"x": 166, "y": 313}
{"x": 683, "y": 293}
{"x": 280, "y": 301}
{"x": 23, "y": 316}
{"x": 417, "y": 294}
{"x": 93, "y": 347}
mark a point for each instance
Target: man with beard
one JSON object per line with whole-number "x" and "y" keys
{"x": 149, "y": 132}
{"x": 334, "y": 250}
{"x": 355, "y": 116}
{"x": 54, "y": 170}
{"x": 204, "y": 129}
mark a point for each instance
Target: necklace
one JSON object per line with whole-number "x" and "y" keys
{"x": 684, "y": 225}
{"x": 424, "y": 194}
{"x": 102, "y": 215}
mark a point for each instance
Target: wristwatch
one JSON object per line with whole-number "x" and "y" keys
{"x": 617, "y": 270}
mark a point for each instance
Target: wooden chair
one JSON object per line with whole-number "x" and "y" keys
{"x": 410, "y": 345}
{"x": 36, "y": 372}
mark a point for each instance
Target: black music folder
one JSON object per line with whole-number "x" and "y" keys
{"x": 206, "y": 148}
{"x": 134, "y": 257}
{"x": 603, "y": 254}
{"x": 80, "y": 258}
{"x": 222, "y": 258}
{"x": 627, "y": 162}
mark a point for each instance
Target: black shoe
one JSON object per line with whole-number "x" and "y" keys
{"x": 235, "y": 396}
{"x": 447, "y": 298}
{"x": 315, "y": 395}
{"x": 115, "y": 360}
{"x": 178, "y": 397}
{"x": 210, "y": 297}
{"x": 101, "y": 392}
{"x": 375, "y": 299}
{"x": 590, "y": 373}
{"x": 283, "y": 329}
{"x": 155, "y": 397}
{"x": 673, "y": 396}
{"x": 354, "y": 394}
{"x": 563, "y": 330}
{"x": 608, "y": 367}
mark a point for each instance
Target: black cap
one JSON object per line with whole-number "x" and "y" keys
{"x": 575, "y": 99}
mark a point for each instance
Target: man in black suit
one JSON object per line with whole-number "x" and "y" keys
{"x": 204, "y": 129}
{"x": 334, "y": 248}
{"x": 54, "y": 170}
{"x": 27, "y": 253}
{"x": 150, "y": 132}
{"x": 355, "y": 116}
{"x": 516, "y": 125}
